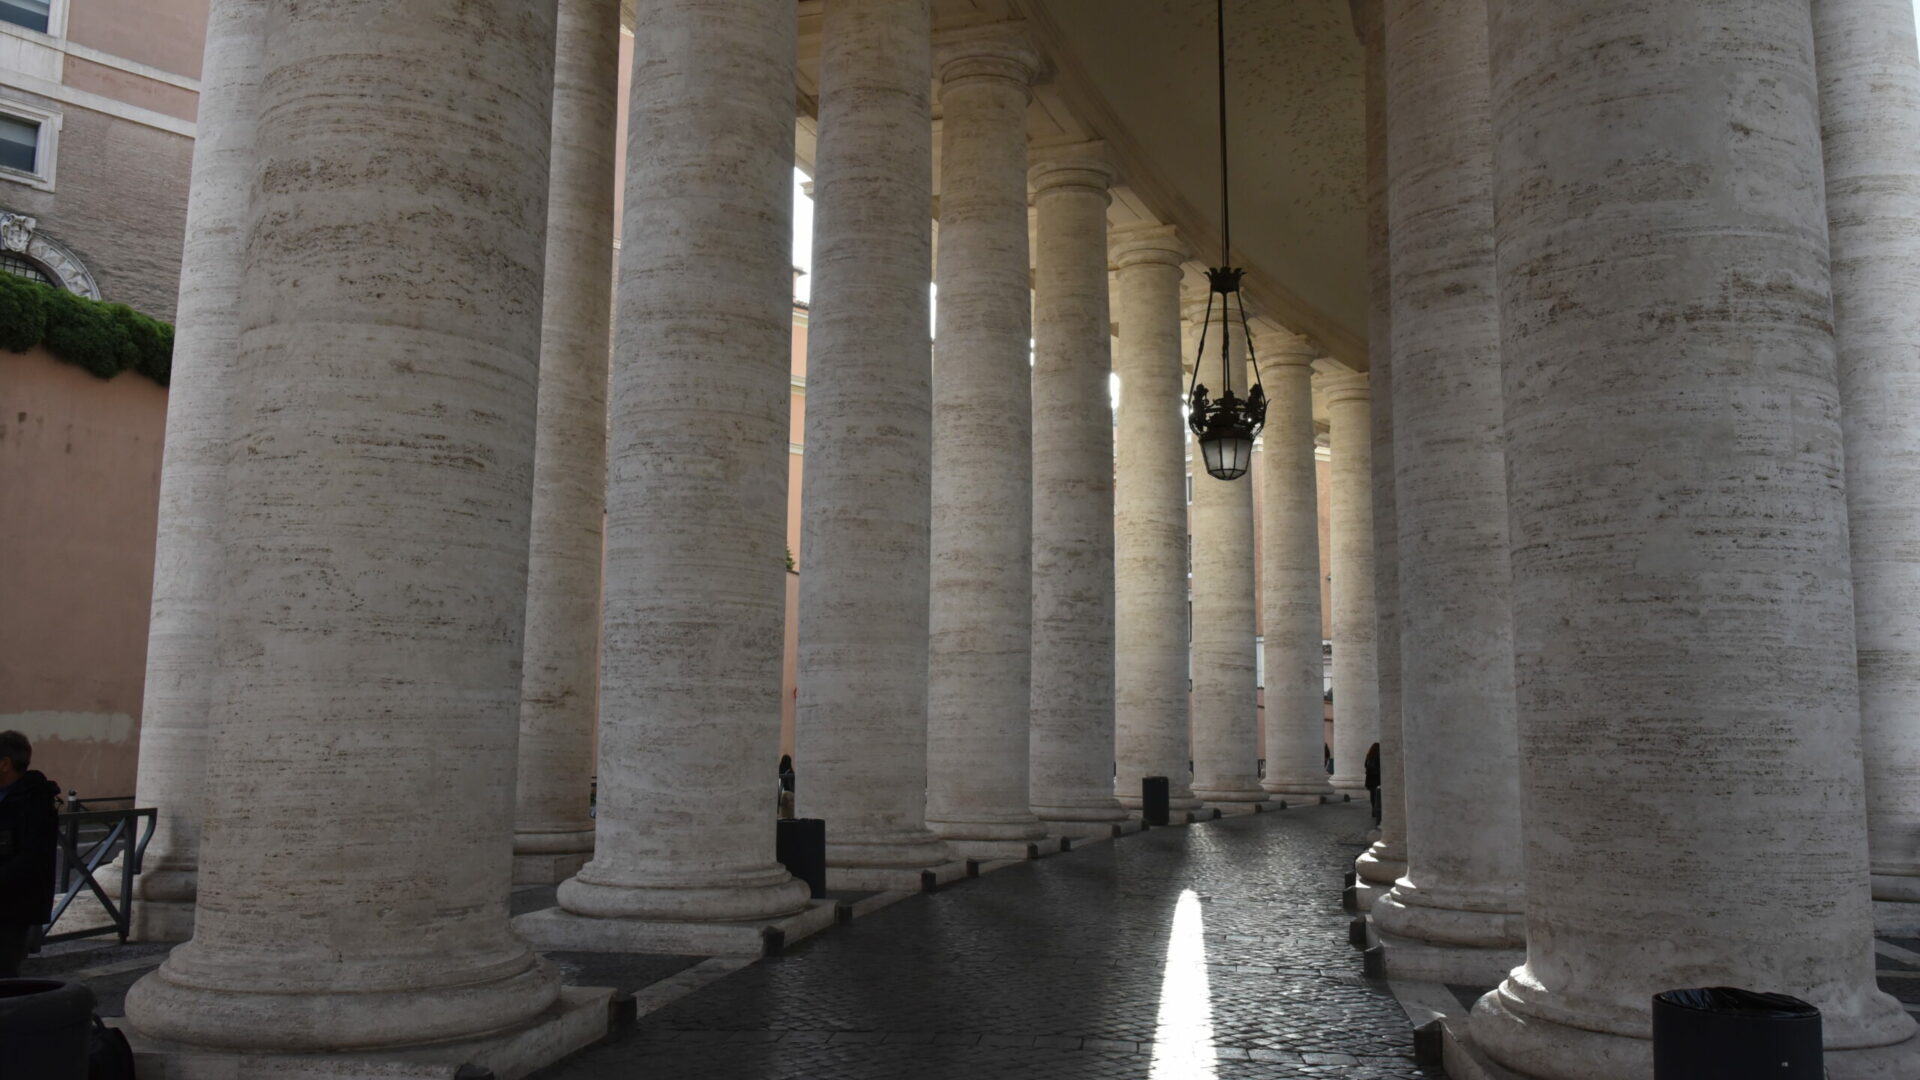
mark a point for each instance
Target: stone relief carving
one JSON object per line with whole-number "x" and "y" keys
{"x": 20, "y": 234}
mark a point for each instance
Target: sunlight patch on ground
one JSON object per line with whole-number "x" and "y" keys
{"x": 1183, "y": 1033}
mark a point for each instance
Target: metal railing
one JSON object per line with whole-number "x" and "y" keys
{"x": 88, "y": 839}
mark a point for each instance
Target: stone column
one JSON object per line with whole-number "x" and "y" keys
{"x": 356, "y": 849}
{"x": 1290, "y": 577}
{"x": 184, "y": 627}
{"x": 1225, "y": 717}
{"x": 1149, "y": 518}
{"x": 1072, "y": 740}
{"x": 1386, "y": 860}
{"x": 1683, "y": 625}
{"x": 1455, "y": 916}
{"x": 1356, "y": 701}
{"x": 560, "y": 690}
{"x": 1870, "y": 127}
{"x": 860, "y": 725}
{"x": 697, "y": 479}
{"x": 979, "y": 659}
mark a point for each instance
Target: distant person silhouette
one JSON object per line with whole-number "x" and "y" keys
{"x": 29, "y": 833}
{"x": 1373, "y": 780}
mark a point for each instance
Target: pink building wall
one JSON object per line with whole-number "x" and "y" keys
{"x": 79, "y": 496}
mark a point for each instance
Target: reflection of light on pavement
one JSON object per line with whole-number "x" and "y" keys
{"x": 1183, "y": 1034}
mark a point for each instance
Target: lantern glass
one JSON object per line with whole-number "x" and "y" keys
{"x": 1227, "y": 456}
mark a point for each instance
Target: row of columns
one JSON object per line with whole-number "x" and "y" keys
{"x": 1644, "y": 557}
{"x": 381, "y": 582}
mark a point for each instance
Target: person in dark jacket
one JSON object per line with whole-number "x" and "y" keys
{"x": 1373, "y": 780}
{"x": 29, "y": 831}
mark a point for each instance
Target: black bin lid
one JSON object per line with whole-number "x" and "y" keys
{"x": 1730, "y": 1000}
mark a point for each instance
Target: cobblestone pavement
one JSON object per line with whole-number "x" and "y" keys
{"x": 1216, "y": 952}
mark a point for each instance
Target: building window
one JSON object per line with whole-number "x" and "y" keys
{"x": 28, "y": 138}
{"x": 21, "y": 266}
{"x": 1260, "y": 663}
{"x": 19, "y": 142}
{"x": 32, "y": 14}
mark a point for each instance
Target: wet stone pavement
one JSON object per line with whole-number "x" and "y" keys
{"x": 1214, "y": 952}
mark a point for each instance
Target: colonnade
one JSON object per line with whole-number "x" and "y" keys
{"x": 1590, "y": 513}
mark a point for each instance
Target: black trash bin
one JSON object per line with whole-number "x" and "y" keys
{"x": 801, "y": 846}
{"x": 1153, "y": 800}
{"x": 45, "y": 1027}
{"x": 1724, "y": 1033}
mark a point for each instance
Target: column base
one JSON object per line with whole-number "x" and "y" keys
{"x": 1223, "y": 795}
{"x": 1427, "y": 942}
{"x": 906, "y": 850}
{"x": 1348, "y": 785}
{"x": 602, "y": 892}
{"x": 161, "y": 920}
{"x": 555, "y": 928}
{"x": 1018, "y": 826}
{"x": 1899, "y": 888}
{"x": 1891, "y": 918}
{"x": 548, "y": 869}
{"x": 1502, "y": 1042}
{"x": 1016, "y": 850}
{"x": 558, "y": 842}
{"x": 1297, "y": 793}
{"x": 1091, "y": 813}
{"x": 190, "y": 1000}
{"x": 1359, "y": 897}
{"x": 1079, "y": 834}
{"x": 577, "y": 1020}
{"x": 895, "y": 879}
{"x": 1381, "y": 865}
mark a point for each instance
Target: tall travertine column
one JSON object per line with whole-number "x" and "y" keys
{"x": 1072, "y": 740}
{"x": 1149, "y": 518}
{"x": 697, "y": 478}
{"x": 1356, "y": 690}
{"x": 1455, "y": 916}
{"x": 376, "y": 543}
{"x": 559, "y": 690}
{"x": 184, "y": 628}
{"x": 1225, "y": 711}
{"x": 1290, "y": 576}
{"x": 1386, "y": 860}
{"x": 1870, "y": 128}
{"x": 979, "y": 658}
{"x": 1684, "y": 634}
{"x": 860, "y": 727}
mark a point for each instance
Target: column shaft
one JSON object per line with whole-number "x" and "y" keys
{"x": 697, "y": 479}
{"x": 1356, "y": 690}
{"x": 184, "y": 627}
{"x": 1072, "y": 740}
{"x": 860, "y": 727}
{"x": 1684, "y": 633}
{"x": 1870, "y": 126}
{"x": 1455, "y": 916}
{"x": 376, "y": 543}
{"x": 1150, "y": 519}
{"x": 560, "y": 691}
{"x": 1383, "y": 863}
{"x": 1290, "y": 577}
{"x": 979, "y": 652}
{"x": 1225, "y": 721}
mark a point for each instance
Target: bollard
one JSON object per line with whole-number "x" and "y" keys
{"x": 1725, "y": 1033}
{"x": 1154, "y": 796}
{"x": 800, "y": 844}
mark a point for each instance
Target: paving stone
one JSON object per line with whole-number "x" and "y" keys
{"x": 1055, "y": 970}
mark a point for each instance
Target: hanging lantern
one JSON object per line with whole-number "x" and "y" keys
{"x": 1225, "y": 427}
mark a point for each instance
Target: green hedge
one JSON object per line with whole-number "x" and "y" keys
{"x": 105, "y": 339}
